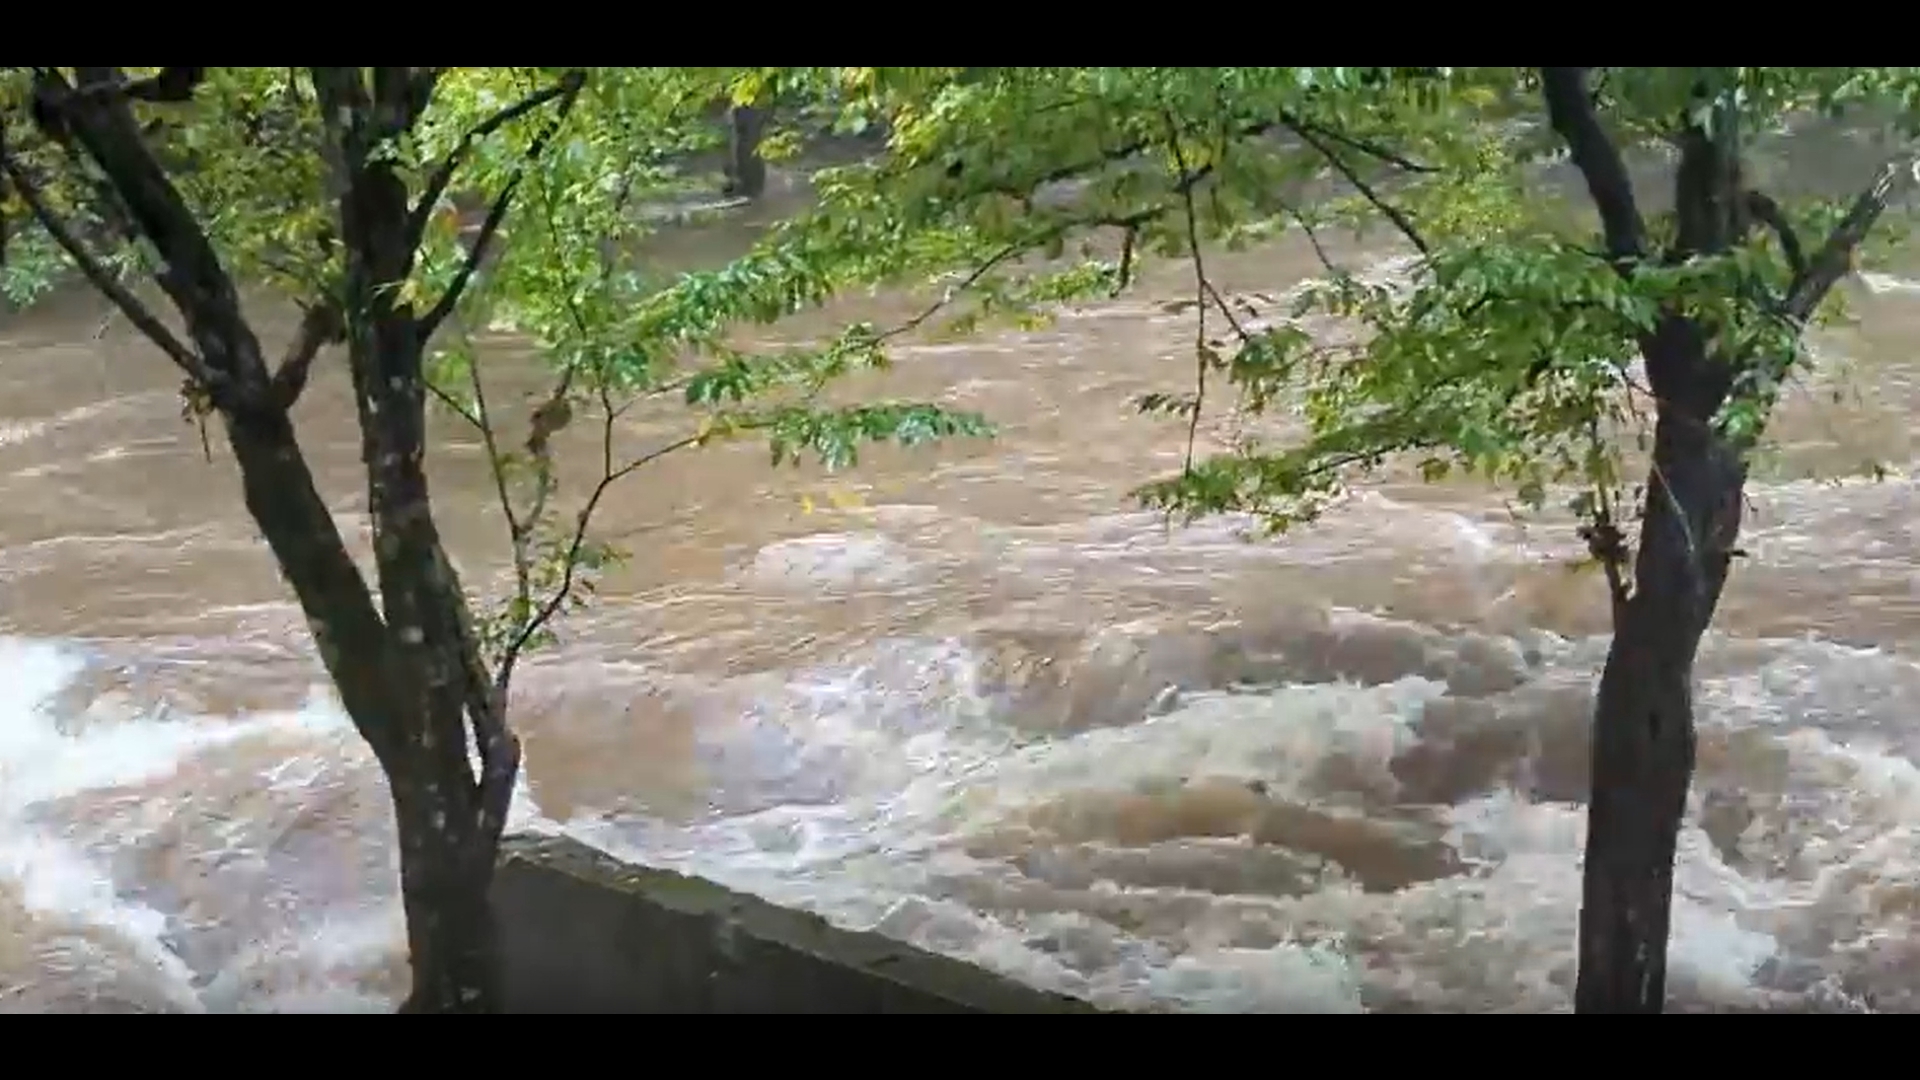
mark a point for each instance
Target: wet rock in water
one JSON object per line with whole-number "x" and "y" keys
{"x": 1724, "y": 815}
{"x": 1167, "y": 700}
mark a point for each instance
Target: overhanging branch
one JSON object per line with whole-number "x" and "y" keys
{"x": 442, "y": 177}
{"x": 103, "y": 279}
{"x": 1570, "y": 109}
{"x": 567, "y": 91}
{"x": 1353, "y": 142}
{"x": 1835, "y": 256}
{"x": 1347, "y": 172}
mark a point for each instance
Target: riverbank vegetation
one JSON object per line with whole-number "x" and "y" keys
{"x": 1623, "y": 356}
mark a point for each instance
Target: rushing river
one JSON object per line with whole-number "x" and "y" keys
{"x": 969, "y": 696}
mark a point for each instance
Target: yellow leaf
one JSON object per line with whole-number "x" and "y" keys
{"x": 746, "y": 88}
{"x": 806, "y": 504}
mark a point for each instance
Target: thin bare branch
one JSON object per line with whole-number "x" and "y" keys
{"x": 1393, "y": 213}
{"x": 1835, "y": 256}
{"x": 103, "y": 279}
{"x": 1313, "y": 238}
{"x": 448, "y": 400}
{"x": 1353, "y": 142}
{"x": 571, "y": 561}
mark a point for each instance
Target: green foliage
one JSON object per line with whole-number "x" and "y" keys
{"x": 35, "y": 266}
{"x": 1505, "y": 350}
{"x": 563, "y": 271}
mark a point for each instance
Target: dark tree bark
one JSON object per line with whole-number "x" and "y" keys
{"x": 409, "y": 670}
{"x": 746, "y": 169}
{"x": 1643, "y": 746}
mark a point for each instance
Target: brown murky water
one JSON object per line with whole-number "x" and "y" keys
{"x": 971, "y": 697}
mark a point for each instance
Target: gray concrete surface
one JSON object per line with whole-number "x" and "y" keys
{"x": 583, "y": 932}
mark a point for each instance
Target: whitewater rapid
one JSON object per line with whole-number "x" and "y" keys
{"x": 1329, "y": 812}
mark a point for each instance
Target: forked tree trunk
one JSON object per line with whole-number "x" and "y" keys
{"x": 1643, "y": 734}
{"x": 448, "y": 819}
{"x": 1643, "y": 729}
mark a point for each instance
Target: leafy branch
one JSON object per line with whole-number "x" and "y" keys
{"x": 567, "y": 91}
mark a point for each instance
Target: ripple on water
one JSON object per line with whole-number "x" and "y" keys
{"x": 1049, "y": 754}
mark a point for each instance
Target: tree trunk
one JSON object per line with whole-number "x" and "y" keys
{"x": 410, "y": 671}
{"x": 399, "y": 701}
{"x": 444, "y": 877}
{"x": 1643, "y": 729}
{"x": 448, "y": 819}
{"x": 1643, "y": 735}
{"x": 746, "y": 169}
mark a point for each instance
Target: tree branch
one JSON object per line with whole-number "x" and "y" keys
{"x": 190, "y": 269}
{"x": 1201, "y": 287}
{"x": 103, "y": 279}
{"x": 1393, "y": 213}
{"x": 172, "y": 84}
{"x": 610, "y": 475}
{"x": 1059, "y": 174}
{"x": 568, "y": 91}
{"x": 320, "y": 325}
{"x": 1570, "y": 110}
{"x": 1353, "y": 142}
{"x": 1762, "y": 208}
{"x": 1835, "y": 256}
{"x": 442, "y": 177}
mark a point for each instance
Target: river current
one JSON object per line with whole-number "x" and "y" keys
{"x": 969, "y": 696}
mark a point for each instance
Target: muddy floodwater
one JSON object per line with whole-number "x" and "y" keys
{"x": 967, "y": 695}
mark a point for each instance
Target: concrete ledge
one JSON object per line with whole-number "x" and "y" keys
{"x": 582, "y": 932}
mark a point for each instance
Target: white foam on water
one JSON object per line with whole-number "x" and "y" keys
{"x": 1499, "y": 935}
{"x": 881, "y": 792}
{"x": 1881, "y": 284}
{"x": 315, "y": 963}
{"x": 833, "y": 560}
